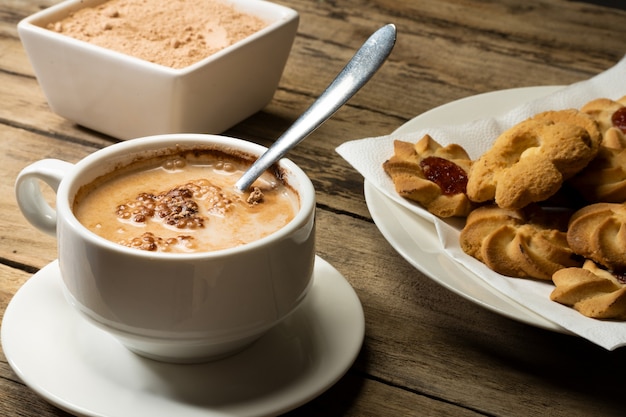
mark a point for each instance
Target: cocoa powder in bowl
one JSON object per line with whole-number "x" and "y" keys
{"x": 173, "y": 33}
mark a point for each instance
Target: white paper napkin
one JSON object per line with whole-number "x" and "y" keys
{"x": 367, "y": 156}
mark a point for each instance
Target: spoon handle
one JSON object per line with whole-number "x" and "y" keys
{"x": 365, "y": 62}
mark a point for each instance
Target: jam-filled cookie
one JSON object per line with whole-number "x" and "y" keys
{"x": 432, "y": 175}
{"x": 604, "y": 179}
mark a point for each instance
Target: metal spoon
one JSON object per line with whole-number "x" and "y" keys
{"x": 365, "y": 62}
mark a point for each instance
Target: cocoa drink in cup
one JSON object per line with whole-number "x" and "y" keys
{"x": 157, "y": 282}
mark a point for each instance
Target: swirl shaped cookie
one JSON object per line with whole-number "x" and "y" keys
{"x": 516, "y": 243}
{"x": 604, "y": 179}
{"x": 529, "y": 162}
{"x": 432, "y": 175}
{"x": 598, "y": 232}
{"x": 592, "y": 291}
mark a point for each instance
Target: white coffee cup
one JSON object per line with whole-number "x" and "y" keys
{"x": 175, "y": 307}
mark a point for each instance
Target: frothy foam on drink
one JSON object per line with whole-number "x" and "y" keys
{"x": 184, "y": 203}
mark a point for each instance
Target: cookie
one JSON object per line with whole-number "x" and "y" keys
{"x": 432, "y": 175}
{"x": 598, "y": 232}
{"x": 517, "y": 243}
{"x": 592, "y": 291}
{"x": 604, "y": 179}
{"x": 530, "y": 161}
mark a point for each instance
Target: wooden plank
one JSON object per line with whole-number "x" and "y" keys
{"x": 21, "y": 242}
{"x": 423, "y": 337}
{"x": 427, "y": 351}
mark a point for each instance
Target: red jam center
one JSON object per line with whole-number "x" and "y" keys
{"x": 450, "y": 177}
{"x": 619, "y": 119}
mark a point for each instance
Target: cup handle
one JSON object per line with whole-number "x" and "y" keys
{"x": 28, "y": 193}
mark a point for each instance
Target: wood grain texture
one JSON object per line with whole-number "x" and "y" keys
{"x": 427, "y": 350}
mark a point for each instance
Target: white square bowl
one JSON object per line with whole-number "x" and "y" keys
{"x": 127, "y": 97}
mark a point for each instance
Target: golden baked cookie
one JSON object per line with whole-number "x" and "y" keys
{"x": 604, "y": 179}
{"x": 516, "y": 243}
{"x": 432, "y": 175}
{"x": 607, "y": 113}
{"x": 592, "y": 291}
{"x": 598, "y": 232}
{"x": 529, "y": 162}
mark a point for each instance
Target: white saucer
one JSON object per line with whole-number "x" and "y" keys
{"x": 81, "y": 369}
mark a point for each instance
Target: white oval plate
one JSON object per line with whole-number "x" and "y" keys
{"x": 415, "y": 238}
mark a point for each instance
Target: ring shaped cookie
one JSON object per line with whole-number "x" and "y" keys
{"x": 529, "y": 162}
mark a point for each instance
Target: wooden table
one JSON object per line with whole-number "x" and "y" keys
{"x": 427, "y": 351}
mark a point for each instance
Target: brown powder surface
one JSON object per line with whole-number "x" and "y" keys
{"x": 173, "y": 33}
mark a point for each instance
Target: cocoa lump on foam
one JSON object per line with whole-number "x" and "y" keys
{"x": 152, "y": 243}
{"x": 177, "y": 207}
{"x": 255, "y": 197}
